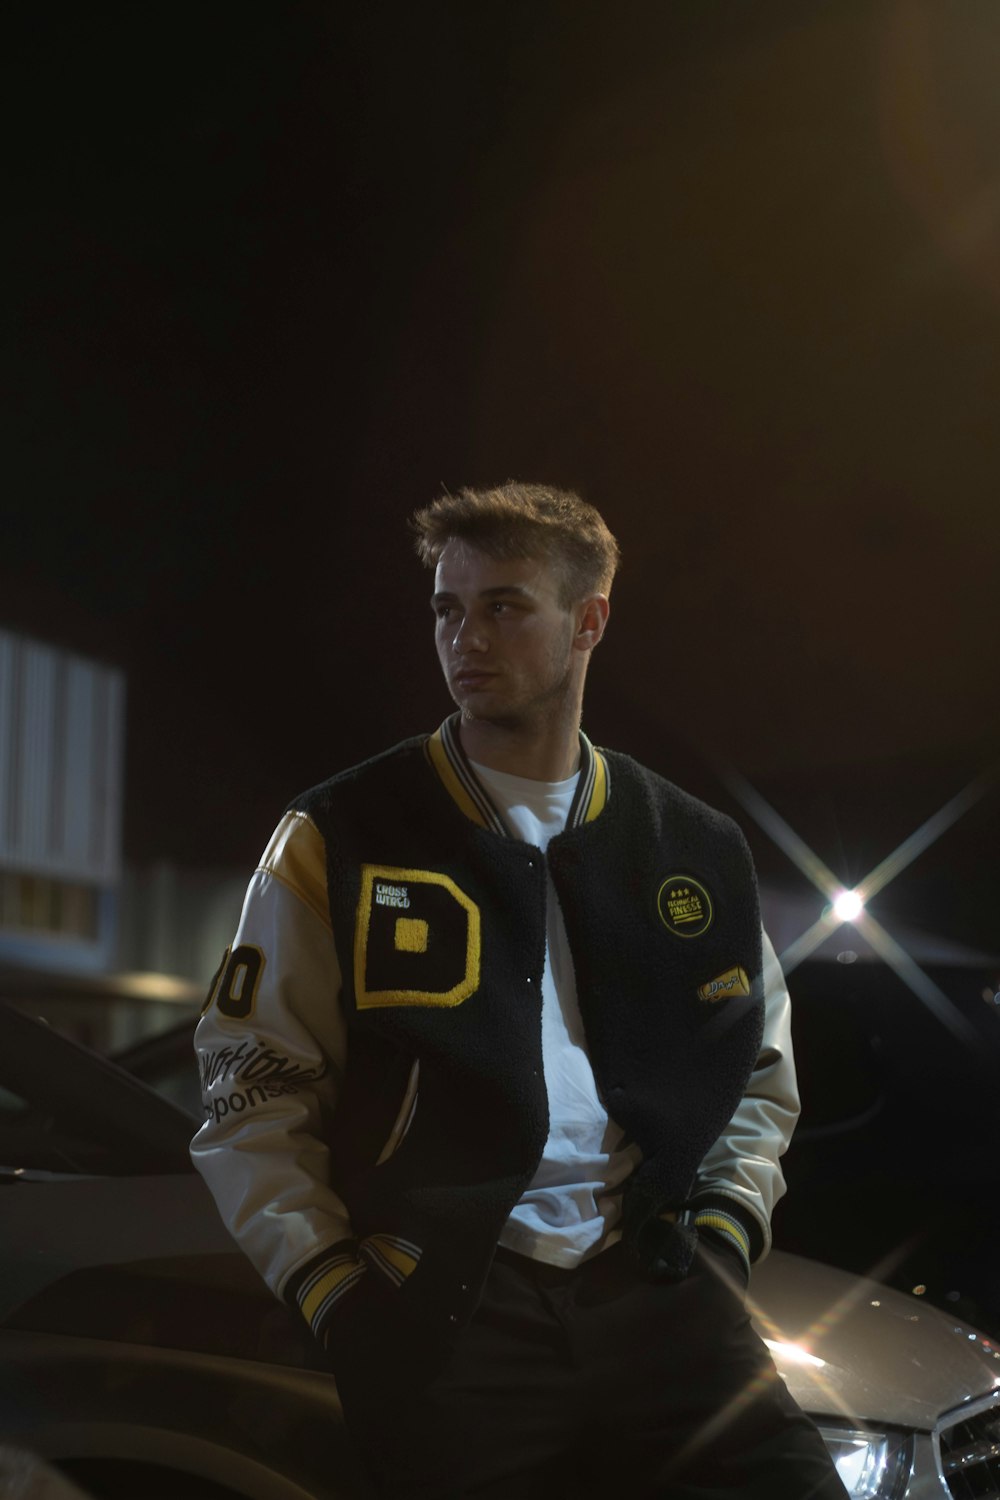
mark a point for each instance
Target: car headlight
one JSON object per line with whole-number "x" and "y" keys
{"x": 872, "y": 1465}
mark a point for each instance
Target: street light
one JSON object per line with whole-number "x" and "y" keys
{"x": 848, "y": 906}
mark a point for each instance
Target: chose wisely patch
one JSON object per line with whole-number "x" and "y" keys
{"x": 732, "y": 982}
{"x": 685, "y": 906}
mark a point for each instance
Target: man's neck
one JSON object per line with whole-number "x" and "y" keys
{"x": 540, "y": 752}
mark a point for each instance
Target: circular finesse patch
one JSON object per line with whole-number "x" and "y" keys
{"x": 685, "y": 906}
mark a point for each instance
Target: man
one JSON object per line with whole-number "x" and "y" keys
{"x": 494, "y": 1094}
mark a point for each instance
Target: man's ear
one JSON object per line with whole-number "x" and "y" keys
{"x": 592, "y": 617}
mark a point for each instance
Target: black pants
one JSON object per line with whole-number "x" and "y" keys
{"x": 593, "y": 1382}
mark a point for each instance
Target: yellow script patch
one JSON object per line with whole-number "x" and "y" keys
{"x": 732, "y": 982}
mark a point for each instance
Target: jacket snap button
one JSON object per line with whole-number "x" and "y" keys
{"x": 531, "y": 864}
{"x": 464, "y": 1287}
{"x": 452, "y": 1317}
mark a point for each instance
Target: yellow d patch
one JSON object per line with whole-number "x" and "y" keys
{"x": 416, "y": 939}
{"x": 732, "y": 982}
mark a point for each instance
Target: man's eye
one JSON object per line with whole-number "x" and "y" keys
{"x": 443, "y": 611}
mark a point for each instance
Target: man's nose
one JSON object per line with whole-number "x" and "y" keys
{"x": 467, "y": 637}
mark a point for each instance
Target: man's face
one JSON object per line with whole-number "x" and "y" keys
{"x": 504, "y": 640}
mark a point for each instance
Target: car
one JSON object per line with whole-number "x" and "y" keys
{"x": 895, "y": 1162}
{"x": 141, "y": 1353}
{"x": 138, "y": 1349}
{"x": 907, "y": 1400}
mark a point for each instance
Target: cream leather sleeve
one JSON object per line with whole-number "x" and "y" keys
{"x": 271, "y": 1047}
{"x": 744, "y": 1163}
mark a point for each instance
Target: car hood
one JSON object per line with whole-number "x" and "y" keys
{"x": 849, "y": 1347}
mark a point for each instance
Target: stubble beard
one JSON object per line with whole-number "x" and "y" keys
{"x": 535, "y": 712}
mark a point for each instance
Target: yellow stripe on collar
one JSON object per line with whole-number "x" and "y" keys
{"x": 438, "y": 756}
{"x": 599, "y": 795}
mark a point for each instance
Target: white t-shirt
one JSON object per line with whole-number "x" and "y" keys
{"x": 572, "y": 1206}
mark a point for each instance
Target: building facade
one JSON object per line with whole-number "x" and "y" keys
{"x": 62, "y": 723}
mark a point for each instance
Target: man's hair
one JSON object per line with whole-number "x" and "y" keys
{"x": 525, "y": 520}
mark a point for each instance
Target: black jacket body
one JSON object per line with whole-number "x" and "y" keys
{"x": 440, "y": 925}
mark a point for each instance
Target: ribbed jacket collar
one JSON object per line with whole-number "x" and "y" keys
{"x": 452, "y": 765}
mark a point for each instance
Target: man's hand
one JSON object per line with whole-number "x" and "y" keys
{"x": 661, "y": 1245}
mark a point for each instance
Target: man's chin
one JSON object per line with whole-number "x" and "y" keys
{"x": 474, "y": 700}
{"x": 476, "y": 708}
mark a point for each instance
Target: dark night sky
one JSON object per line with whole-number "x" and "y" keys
{"x": 280, "y": 271}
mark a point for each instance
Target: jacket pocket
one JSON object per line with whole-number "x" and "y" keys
{"x": 404, "y": 1119}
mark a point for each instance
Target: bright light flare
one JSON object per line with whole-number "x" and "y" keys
{"x": 795, "y": 1353}
{"x": 928, "y": 833}
{"x": 783, "y": 834}
{"x": 848, "y": 906}
{"x": 922, "y": 985}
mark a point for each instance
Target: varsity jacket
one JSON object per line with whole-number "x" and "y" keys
{"x": 407, "y": 1093}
